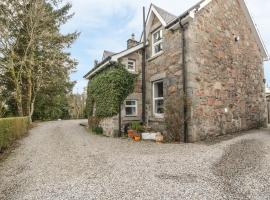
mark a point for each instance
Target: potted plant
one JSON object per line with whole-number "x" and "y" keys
{"x": 135, "y": 130}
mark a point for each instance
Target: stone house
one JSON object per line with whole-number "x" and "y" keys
{"x": 212, "y": 54}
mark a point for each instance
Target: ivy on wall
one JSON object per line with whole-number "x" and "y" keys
{"x": 108, "y": 90}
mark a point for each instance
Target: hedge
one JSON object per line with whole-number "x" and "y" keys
{"x": 12, "y": 129}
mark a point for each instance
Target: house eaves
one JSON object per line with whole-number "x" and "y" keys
{"x": 111, "y": 59}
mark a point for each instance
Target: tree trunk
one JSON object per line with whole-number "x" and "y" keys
{"x": 32, "y": 108}
{"x": 29, "y": 94}
{"x": 18, "y": 99}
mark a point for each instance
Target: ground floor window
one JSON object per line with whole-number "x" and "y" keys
{"x": 158, "y": 98}
{"x": 131, "y": 107}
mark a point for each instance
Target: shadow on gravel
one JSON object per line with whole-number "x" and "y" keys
{"x": 239, "y": 160}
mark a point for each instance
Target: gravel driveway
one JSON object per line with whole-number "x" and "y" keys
{"x": 60, "y": 160}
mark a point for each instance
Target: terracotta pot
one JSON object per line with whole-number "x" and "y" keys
{"x": 131, "y": 133}
{"x": 136, "y": 138}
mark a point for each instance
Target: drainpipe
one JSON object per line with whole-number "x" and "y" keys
{"x": 120, "y": 121}
{"x": 183, "y": 27}
{"x": 143, "y": 70}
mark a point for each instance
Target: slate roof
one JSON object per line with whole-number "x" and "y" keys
{"x": 107, "y": 54}
{"x": 167, "y": 17}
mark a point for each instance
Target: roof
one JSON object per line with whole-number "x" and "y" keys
{"x": 107, "y": 54}
{"x": 169, "y": 20}
{"x": 167, "y": 17}
{"x": 113, "y": 58}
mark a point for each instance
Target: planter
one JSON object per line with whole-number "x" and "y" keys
{"x": 136, "y": 138}
{"x": 134, "y": 135}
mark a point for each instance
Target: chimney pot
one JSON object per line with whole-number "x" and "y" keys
{"x": 132, "y": 42}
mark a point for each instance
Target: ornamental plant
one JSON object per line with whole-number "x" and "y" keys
{"x": 108, "y": 90}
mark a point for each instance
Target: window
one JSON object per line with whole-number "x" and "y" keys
{"x": 131, "y": 108}
{"x": 158, "y": 99}
{"x": 131, "y": 65}
{"x": 157, "y": 43}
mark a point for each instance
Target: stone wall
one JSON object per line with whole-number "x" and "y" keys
{"x": 225, "y": 75}
{"x": 137, "y": 94}
{"x": 167, "y": 67}
{"x": 110, "y": 126}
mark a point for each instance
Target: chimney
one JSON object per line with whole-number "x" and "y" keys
{"x": 132, "y": 42}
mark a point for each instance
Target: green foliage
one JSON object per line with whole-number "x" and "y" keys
{"x": 12, "y": 129}
{"x": 34, "y": 55}
{"x": 93, "y": 123}
{"x": 108, "y": 89}
{"x": 97, "y": 130}
{"x": 52, "y": 102}
{"x": 137, "y": 126}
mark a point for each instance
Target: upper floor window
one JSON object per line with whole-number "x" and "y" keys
{"x": 157, "y": 42}
{"x": 131, "y": 108}
{"x": 131, "y": 66}
{"x": 158, "y": 98}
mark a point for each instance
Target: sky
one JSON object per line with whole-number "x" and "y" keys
{"x": 108, "y": 24}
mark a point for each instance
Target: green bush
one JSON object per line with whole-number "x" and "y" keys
{"x": 97, "y": 130}
{"x": 12, "y": 129}
{"x": 108, "y": 90}
{"x": 137, "y": 126}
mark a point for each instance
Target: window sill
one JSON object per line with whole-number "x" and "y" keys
{"x": 155, "y": 56}
{"x": 132, "y": 72}
{"x": 157, "y": 119}
{"x": 131, "y": 116}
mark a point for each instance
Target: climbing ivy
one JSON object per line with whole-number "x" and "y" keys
{"x": 108, "y": 89}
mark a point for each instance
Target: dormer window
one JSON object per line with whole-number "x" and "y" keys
{"x": 157, "y": 42}
{"x": 131, "y": 65}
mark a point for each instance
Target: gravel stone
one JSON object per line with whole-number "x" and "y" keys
{"x": 62, "y": 161}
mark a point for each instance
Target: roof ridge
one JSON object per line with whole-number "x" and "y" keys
{"x": 167, "y": 16}
{"x": 157, "y": 7}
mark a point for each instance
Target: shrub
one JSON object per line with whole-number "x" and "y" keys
{"x": 98, "y": 130}
{"x": 137, "y": 126}
{"x": 12, "y": 129}
{"x": 174, "y": 117}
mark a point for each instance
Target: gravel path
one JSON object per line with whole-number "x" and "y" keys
{"x": 60, "y": 160}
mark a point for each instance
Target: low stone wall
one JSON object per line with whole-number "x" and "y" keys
{"x": 110, "y": 126}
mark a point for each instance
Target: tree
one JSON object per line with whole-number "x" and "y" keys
{"x": 53, "y": 102}
{"x": 32, "y": 48}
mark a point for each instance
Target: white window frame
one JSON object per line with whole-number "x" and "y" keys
{"x": 134, "y": 65}
{"x": 154, "y": 44}
{"x": 159, "y": 115}
{"x": 131, "y": 106}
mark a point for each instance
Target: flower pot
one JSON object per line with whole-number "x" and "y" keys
{"x": 131, "y": 133}
{"x": 136, "y": 138}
